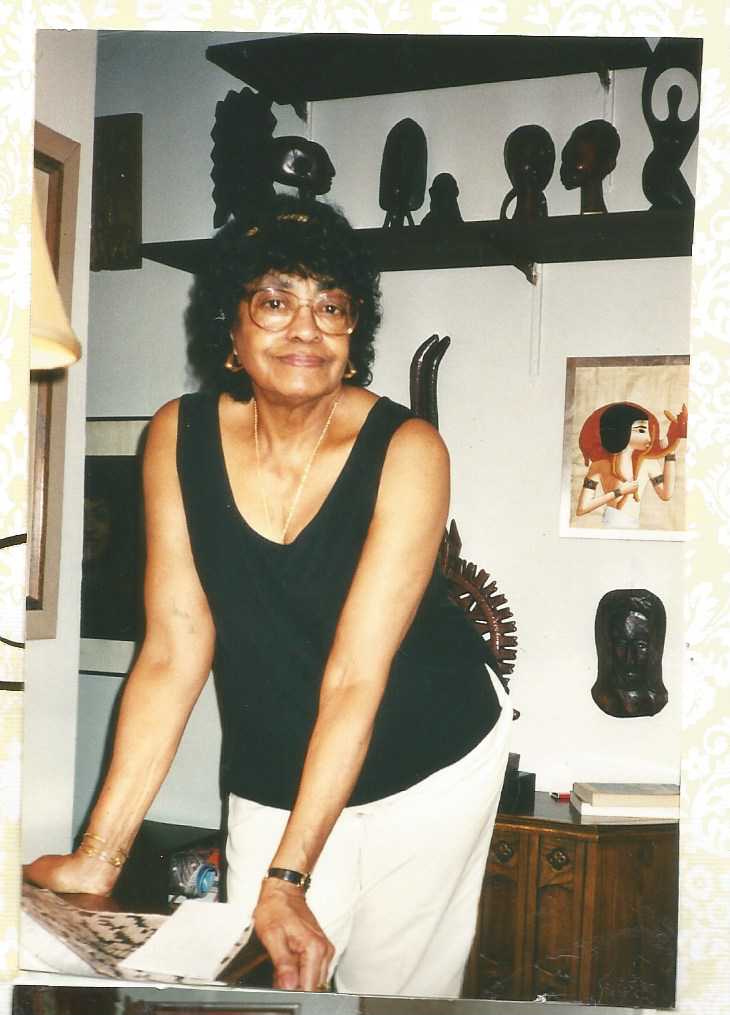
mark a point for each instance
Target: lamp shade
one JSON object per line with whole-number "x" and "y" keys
{"x": 52, "y": 342}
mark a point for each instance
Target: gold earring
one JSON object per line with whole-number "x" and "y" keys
{"x": 232, "y": 363}
{"x": 350, "y": 372}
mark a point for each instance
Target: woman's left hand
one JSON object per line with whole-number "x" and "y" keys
{"x": 297, "y": 945}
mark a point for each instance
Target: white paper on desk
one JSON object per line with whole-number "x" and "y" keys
{"x": 196, "y": 942}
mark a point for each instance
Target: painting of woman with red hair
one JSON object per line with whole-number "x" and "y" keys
{"x": 626, "y": 455}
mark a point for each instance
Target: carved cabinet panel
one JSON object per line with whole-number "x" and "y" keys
{"x": 554, "y": 915}
{"x": 577, "y": 912}
{"x": 495, "y": 969}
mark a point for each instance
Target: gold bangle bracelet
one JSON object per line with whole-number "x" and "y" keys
{"x": 104, "y": 842}
{"x": 116, "y": 859}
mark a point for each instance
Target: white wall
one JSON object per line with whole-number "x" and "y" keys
{"x": 52, "y": 665}
{"x": 504, "y": 427}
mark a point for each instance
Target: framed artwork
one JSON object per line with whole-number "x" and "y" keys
{"x": 623, "y": 474}
{"x": 116, "y": 193}
{"x": 113, "y": 550}
{"x": 55, "y": 180}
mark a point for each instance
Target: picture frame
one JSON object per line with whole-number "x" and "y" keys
{"x": 56, "y": 161}
{"x": 653, "y": 388}
{"x": 113, "y": 550}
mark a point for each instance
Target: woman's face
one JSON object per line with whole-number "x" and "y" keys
{"x": 640, "y": 437}
{"x": 300, "y": 360}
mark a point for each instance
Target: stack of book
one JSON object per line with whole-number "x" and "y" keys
{"x": 645, "y": 800}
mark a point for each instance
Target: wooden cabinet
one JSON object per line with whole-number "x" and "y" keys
{"x": 574, "y": 911}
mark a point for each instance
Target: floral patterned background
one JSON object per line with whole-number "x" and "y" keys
{"x": 704, "y": 968}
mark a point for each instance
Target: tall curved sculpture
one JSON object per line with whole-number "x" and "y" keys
{"x": 472, "y": 588}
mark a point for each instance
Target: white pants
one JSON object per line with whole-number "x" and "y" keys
{"x": 397, "y": 885}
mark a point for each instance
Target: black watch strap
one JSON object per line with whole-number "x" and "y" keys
{"x": 293, "y": 877}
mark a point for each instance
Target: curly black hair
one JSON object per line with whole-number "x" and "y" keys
{"x": 293, "y": 236}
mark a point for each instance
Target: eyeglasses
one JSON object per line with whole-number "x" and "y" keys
{"x": 275, "y": 309}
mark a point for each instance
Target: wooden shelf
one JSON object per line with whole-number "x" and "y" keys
{"x": 617, "y": 236}
{"x": 308, "y": 67}
{"x": 300, "y": 68}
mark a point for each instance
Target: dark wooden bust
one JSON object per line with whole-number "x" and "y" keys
{"x": 587, "y": 159}
{"x": 444, "y": 210}
{"x": 298, "y": 162}
{"x": 630, "y": 628}
{"x": 529, "y": 158}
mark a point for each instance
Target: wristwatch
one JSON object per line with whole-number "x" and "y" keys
{"x": 293, "y": 877}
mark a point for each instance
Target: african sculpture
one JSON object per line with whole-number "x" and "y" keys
{"x": 444, "y": 204}
{"x": 298, "y": 162}
{"x": 248, "y": 159}
{"x": 529, "y": 158}
{"x": 244, "y": 125}
{"x": 403, "y": 173}
{"x": 630, "y": 628}
{"x": 587, "y": 158}
{"x": 662, "y": 181}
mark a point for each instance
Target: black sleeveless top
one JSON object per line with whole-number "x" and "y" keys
{"x": 275, "y": 609}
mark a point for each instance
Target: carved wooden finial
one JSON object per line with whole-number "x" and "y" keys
{"x": 471, "y": 587}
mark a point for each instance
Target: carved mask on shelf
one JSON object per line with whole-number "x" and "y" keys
{"x": 403, "y": 172}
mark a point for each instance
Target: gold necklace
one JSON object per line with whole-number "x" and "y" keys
{"x": 305, "y": 473}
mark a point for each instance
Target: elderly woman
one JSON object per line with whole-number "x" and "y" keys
{"x": 293, "y": 523}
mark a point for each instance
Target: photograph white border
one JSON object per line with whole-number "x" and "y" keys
{"x": 704, "y": 974}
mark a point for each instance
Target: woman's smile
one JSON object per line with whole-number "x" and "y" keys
{"x": 301, "y": 359}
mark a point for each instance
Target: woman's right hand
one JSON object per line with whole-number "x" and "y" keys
{"x": 72, "y": 873}
{"x": 289, "y": 931}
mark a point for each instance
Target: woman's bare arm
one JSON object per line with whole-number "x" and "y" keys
{"x": 664, "y": 481}
{"x": 164, "y": 684}
{"x": 394, "y": 569}
{"x": 589, "y": 500}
